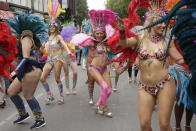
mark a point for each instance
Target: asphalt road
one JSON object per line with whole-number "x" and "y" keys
{"x": 77, "y": 115}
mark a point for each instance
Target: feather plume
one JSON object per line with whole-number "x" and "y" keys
{"x": 101, "y": 18}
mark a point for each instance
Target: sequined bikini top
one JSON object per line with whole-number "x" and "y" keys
{"x": 102, "y": 49}
{"x": 160, "y": 54}
{"x": 53, "y": 44}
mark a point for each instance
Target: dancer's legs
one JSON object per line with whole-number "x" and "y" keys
{"x": 29, "y": 86}
{"x": 165, "y": 99}
{"x": 146, "y": 103}
{"x": 2, "y": 92}
{"x": 91, "y": 85}
{"x": 116, "y": 64}
{"x": 178, "y": 111}
{"x": 106, "y": 77}
{"x": 178, "y": 115}
{"x": 57, "y": 71}
{"x": 46, "y": 71}
{"x": 66, "y": 71}
{"x": 189, "y": 116}
{"x": 100, "y": 80}
{"x": 130, "y": 73}
{"x": 75, "y": 74}
{"x": 13, "y": 91}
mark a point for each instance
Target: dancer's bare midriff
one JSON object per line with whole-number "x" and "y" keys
{"x": 153, "y": 73}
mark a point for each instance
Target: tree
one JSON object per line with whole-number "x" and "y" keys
{"x": 82, "y": 11}
{"x": 120, "y": 8}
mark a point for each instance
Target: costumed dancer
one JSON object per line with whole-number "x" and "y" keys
{"x": 2, "y": 92}
{"x": 135, "y": 70}
{"x": 31, "y": 30}
{"x": 117, "y": 73}
{"x": 8, "y": 50}
{"x": 98, "y": 56}
{"x": 182, "y": 76}
{"x": 67, "y": 33}
{"x": 87, "y": 29}
{"x": 54, "y": 47}
{"x": 156, "y": 83}
{"x": 185, "y": 33}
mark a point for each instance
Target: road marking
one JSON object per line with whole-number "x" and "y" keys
{"x": 9, "y": 118}
{"x": 15, "y": 113}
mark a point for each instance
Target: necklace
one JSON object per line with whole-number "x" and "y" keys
{"x": 51, "y": 37}
{"x": 155, "y": 38}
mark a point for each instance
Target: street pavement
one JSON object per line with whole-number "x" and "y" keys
{"x": 77, "y": 115}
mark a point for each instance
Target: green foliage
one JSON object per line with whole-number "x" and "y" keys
{"x": 67, "y": 23}
{"x": 141, "y": 12}
{"x": 121, "y": 6}
{"x": 82, "y": 11}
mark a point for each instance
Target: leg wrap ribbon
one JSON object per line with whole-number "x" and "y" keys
{"x": 46, "y": 87}
{"x": 67, "y": 83}
{"x": 60, "y": 85}
{"x": 103, "y": 97}
{"x": 18, "y": 102}
{"x": 34, "y": 105}
{"x": 109, "y": 92}
{"x": 74, "y": 83}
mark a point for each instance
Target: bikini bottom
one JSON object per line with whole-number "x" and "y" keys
{"x": 99, "y": 69}
{"x": 57, "y": 58}
{"x": 154, "y": 89}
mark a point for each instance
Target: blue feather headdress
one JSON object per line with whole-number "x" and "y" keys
{"x": 88, "y": 26}
{"x": 30, "y": 22}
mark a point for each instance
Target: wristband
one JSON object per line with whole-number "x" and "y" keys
{"x": 21, "y": 65}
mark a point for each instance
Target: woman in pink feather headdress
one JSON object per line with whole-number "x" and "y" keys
{"x": 98, "y": 59}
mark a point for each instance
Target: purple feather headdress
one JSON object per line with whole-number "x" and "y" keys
{"x": 101, "y": 18}
{"x": 68, "y": 32}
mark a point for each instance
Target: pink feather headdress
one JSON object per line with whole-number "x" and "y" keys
{"x": 101, "y": 18}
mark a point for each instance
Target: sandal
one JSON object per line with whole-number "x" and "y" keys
{"x": 61, "y": 100}
{"x": 107, "y": 112}
{"x": 186, "y": 126}
{"x": 98, "y": 110}
{"x": 67, "y": 92}
{"x": 49, "y": 99}
{"x": 74, "y": 92}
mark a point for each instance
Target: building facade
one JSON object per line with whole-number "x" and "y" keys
{"x": 37, "y": 6}
{"x": 20, "y": 6}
